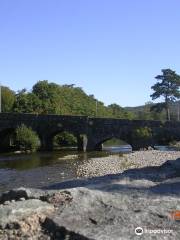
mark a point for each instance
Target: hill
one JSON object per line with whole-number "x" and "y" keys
{"x": 51, "y": 98}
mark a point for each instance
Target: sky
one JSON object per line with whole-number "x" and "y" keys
{"x": 111, "y": 48}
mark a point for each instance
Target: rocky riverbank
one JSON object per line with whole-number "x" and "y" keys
{"x": 109, "y": 207}
{"x": 119, "y": 163}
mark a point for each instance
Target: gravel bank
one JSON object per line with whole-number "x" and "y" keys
{"x": 117, "y": 163}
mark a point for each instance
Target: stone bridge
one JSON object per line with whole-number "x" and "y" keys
{"x": 90, "y": 132}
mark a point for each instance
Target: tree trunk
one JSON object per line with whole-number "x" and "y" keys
{"x": 178, "y": 113}
{"x": 168, "y": 118}
{"x": 168, "y": 114}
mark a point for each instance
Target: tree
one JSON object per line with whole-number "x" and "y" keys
{"x": 51, "y": 98}
{"x": 119, "y": 112}
{"x": 168, "y": 87}
{"x": 27, "y": 102}
{"x": 8, "y": 99}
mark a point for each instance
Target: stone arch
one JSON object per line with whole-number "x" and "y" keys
{"x": 66, "y": 139}
{"x": 7, "y": 137}
{"x": 100, "y": 141}
{"x": 47, "y": 139}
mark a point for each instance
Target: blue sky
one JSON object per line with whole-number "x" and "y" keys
{"x": 111, "y": 48}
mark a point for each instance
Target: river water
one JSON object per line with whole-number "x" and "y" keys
{"x": 44, "y": 169}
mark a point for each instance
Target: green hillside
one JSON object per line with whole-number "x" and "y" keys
{"x": 145, "y": 112}
{"x": 51, "y": 98}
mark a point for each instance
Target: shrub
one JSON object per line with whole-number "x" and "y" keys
{"x": 143, "y": 133}
{"x": 65, "y": 139}
{"x": 26, "y": 138}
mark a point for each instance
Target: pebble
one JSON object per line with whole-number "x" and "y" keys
{"x": 6, "y": 202}
{"x": 117, "y": 164}
{"x": 22, "y": 199}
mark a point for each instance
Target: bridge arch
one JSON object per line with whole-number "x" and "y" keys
{"x": 47, "y": 140}
{"x": 64, "y": 139}
{"x": 7, "y": 137}
{"x": 99, "y": 142}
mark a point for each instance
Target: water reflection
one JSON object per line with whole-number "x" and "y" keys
{"x": 41, "y": 159}
{"x": 118, "y": 149}
{"x": 166, "y": 148}
{"x": 41, "y": 169}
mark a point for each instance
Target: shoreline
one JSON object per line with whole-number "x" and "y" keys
{"x": 115, "y": 164}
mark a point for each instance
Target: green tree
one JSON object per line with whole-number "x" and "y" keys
{"x": 26, "y": 138}
{"x": 119, "y": 112}
{"x": 51, "y": 98}
{"x": 8, "y": 99}
{"x": 143, "y": 133}
{"x": 167, "y": 87}
{"x": 27, "y": 103}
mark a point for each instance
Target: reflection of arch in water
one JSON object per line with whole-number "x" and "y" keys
{"x": 7, "y": 139}
{"x": 116, "y": 145}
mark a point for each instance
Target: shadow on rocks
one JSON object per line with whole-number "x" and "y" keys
{"x": 164, "y": 179}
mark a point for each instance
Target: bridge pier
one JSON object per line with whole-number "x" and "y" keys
{"x": 82, "y": 142}
{"x": 91, "y": 144}
{"x": 46, "y": 143}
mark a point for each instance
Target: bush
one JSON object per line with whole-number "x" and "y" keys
{"x": 65, "y": 139}
{"x": 26, "y": 138}
{"x": 143, "y": 133}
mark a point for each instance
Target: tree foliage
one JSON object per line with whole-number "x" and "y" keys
{"x": 51, "y": 98}
{"x": 8, "y": 99}
{"x": 143, "y": 133}
{"x": 119, "y": 112}
{"x": 27, "y": 102}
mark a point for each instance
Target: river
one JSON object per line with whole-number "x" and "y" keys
{"x": 43, "y": 169}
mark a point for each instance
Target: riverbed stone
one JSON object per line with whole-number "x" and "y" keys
{"x": 21, "y": 194}
{"x": 109, "y": 207}
{"x": 114, "y": 164}
{"x": 17, "y": 211}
